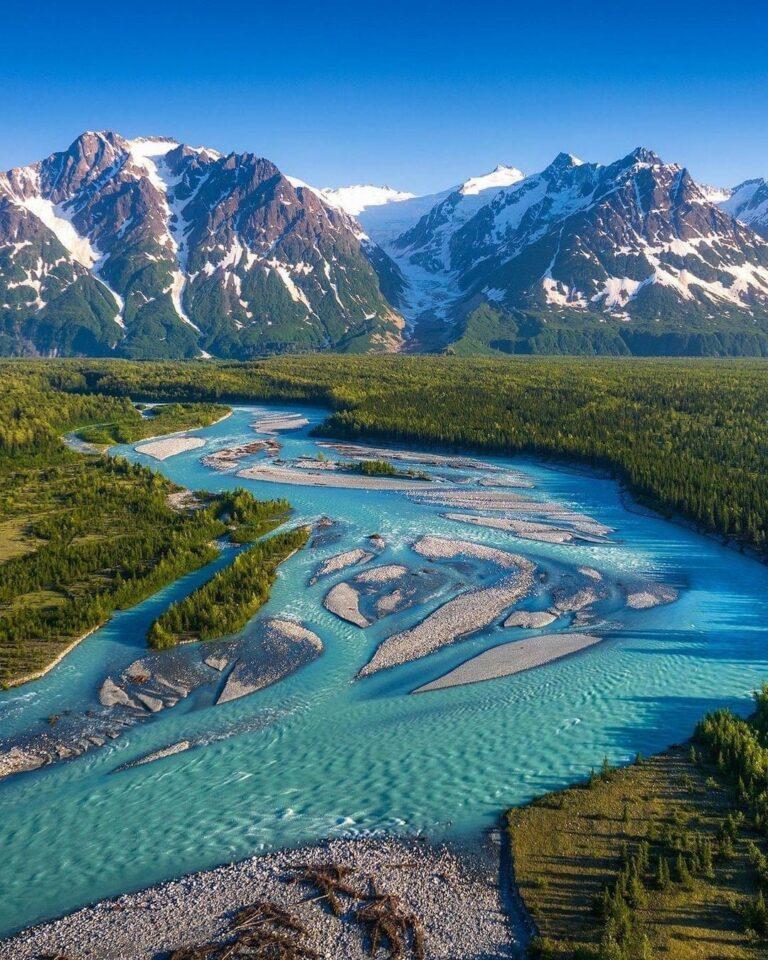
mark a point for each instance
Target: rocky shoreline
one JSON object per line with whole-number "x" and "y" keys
{"x": 453, "y": 899}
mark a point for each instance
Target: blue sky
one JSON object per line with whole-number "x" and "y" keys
{"x": 417, "y": 95}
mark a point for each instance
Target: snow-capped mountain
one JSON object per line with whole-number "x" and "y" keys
{"x": 749, "y": 203}
{"x": 631, "y": 256}
{"x": 148, "y": 247}
{"x": 419, "y": 236}
{"x": 152, "y": 248}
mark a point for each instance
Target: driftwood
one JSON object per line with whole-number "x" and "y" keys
{"x": 331, "y": 881}
{"x": 263, "y": 913}
{"x": 266, "y": 931}
{"x": 262, "y": 931}
{"x": 391, "y": 925}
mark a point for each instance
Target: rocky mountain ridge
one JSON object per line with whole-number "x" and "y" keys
{"x": 633, "y": 256}
{"x": 152, "y": 248}
{"x": 149, "y": 247}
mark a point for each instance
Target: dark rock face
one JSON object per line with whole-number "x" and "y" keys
{"x": 148, "y": 248}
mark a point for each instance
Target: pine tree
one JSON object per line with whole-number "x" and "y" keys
{"x": 682, "y": 873}
{"x": 706, "y": 860}
{"x": 662, "y": 872}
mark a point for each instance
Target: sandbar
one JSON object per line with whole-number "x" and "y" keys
{"x": 510, "y": 658}
{"x": 229, "y": 457}
{"x": 464, "y": 614}
{"x": 530, "y": 619}
{"x": 652, "y": 596}
{"x": 344, "y": 601}
{"x": 277, "y": 473}
{"x": 357, "y": 451}
{"x": 350, "y": 558}
{"x": 169, "y": 447}
{"x": 285, "y": 646}
{"x": 273, "y": 423}
{"x": 526, "y": 529}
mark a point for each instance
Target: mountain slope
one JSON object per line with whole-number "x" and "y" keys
{"x": 150, "y": 248}
{"x": 749, "y": 203}
{"x": 419, "y": 236}
{"x": 629, "y": 257}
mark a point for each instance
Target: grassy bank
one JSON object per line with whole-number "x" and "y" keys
{"x": 663, "y": 858}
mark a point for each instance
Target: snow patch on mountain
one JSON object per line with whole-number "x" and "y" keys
{"x": 58, "y": 220}
{"x": 617, "y": 291}
{"x": 151, "y": 155}
{"x": 748, "y": 202}
{"x": 353, "y": 200}
{"x": 714, "y": 194}
{"x": 501, "y": 176}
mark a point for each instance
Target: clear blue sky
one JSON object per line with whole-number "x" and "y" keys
{"x": 418, "y": 95}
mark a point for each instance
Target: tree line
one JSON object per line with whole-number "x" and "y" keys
{"x": 688, "y": 437}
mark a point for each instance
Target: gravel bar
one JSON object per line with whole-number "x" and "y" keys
{"x": 457, "y": 900}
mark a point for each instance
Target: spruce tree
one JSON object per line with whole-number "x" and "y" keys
{"x": 662, "y": 872}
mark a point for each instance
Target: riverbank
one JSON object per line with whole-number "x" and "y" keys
{"x": 675, "y": 808}
{"x": 161, "y": 446}
{"x": 37, "y": 674}
{"x": 453, "y": 899}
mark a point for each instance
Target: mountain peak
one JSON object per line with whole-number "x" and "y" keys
{"x": 147, "y": 246}
{"x": 563, "y": 160}
{"x": 645, "y": 155}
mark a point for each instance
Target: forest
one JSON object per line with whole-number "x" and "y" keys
{"x": 226, "y": 602}
{"x": 154, "y": 421}
{"x": 82, "y": 536}
{"x": 688, "y": 437}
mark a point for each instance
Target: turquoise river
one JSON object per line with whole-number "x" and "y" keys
{"x": 321, "y": 753}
